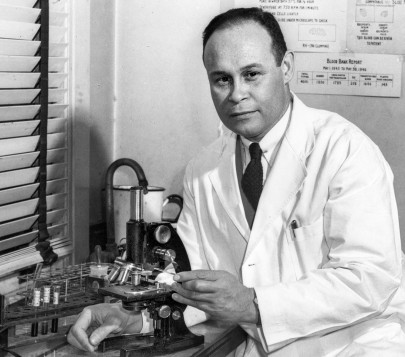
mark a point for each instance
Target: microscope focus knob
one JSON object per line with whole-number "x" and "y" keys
{"x": 164, "y": 311}
{"x": 168, "y": 255}
{"x": 162, "y": 234}
{"x": 176, "y": 314}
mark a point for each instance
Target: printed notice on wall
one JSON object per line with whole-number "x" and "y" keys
{"x": 376, "y": 26}
{"x": 348, "y": 74}
{"x": 365, "y": 26}
{"x": 308, "y": 25}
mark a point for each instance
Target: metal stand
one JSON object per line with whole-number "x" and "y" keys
{"x": 148, "y": 345}
{"x": 75, "y": 295}
{"x": 170, "y": 331}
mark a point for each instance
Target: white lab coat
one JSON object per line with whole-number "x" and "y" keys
{"x": 331, "y": 287}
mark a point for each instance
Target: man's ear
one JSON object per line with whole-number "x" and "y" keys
{"x": 287, "y": 65}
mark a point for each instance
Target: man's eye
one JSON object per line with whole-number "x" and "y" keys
{"x": 251, "y": 75}
{"x": 222, "y": 80}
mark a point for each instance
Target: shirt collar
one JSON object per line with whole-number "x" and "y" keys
{"x": 271, "y": 140}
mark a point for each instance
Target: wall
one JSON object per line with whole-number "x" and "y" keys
{"x": 92, "y": 84}
{"x": 149, "y": 97}
{"x": 102, "y": 97}
{"x": 158, "y": 51}
{"x": 134, "y": 93}
{"x": 163, "y": 110}
{"x": 79, "y": 141}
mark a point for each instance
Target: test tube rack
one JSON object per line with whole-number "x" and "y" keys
{"x": 74, "y": 295}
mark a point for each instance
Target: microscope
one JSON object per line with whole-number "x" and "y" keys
{"x": 152, "y": 248}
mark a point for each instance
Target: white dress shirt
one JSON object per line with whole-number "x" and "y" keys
{"x": 269, "y": 144}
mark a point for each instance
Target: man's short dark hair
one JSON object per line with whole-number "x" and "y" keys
{"x": 242, "y": 15}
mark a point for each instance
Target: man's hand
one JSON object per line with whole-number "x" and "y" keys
{"x": 96, "y": 322}
{"x": 217, "y": 293}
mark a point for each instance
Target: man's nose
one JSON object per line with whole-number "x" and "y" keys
{"x": 238, "y": 92}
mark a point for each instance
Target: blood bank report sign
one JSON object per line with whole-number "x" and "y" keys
{"x": 364, "y": 40}
{"x": 347, "y": 74}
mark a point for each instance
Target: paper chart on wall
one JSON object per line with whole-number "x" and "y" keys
{"x": 376, "y": 26}
{"x": 348, "y": 74}
{"x": 365, "y": 26}
{"x": 308, "y": 25}
{"x": 314, "y": 27}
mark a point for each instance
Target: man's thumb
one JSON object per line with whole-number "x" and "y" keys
{"x": 101, "y": 333}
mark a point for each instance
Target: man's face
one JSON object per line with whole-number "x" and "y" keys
{"x": 249, "y": 91}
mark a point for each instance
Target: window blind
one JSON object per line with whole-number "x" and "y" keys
{"x": 20, "y": 110}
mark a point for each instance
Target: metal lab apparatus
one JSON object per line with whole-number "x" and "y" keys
{"x": 151, "y": 248}
{"x": 152, "y": 207}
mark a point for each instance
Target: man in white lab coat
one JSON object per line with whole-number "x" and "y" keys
{"x": 314, "y": 267}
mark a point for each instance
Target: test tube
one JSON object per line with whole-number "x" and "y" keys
{"x": 44, "y": 327}
{"x": 36, "y": 299}
{"x": 46, "y": 301}
{"x": 56, "y": 294}
{"x": 66, "y": 289}
{"x": 47, "y": 295}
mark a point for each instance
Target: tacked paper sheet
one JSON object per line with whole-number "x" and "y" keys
{"x": 376, "y": 26}
{"x": 365, "y": 26}
{"x": 325, "y": 33}
{"x": 349, "y": 74}
{"x": 308, "y": 25}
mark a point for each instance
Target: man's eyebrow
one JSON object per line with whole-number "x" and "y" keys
{"x": 250, "y": 66}
{"x": 217, "y": 73}
{"x": 247, "y": 67}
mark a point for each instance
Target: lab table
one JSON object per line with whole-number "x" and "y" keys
{"x": 219, "y": 337}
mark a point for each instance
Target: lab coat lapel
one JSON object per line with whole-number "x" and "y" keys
{"x": 287, "y": 174}
{"x": 225, "y": 183}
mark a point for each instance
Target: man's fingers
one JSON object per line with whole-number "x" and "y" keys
{"x": 194, "y": 303}
{"x": 197, "y": 275}
{"x": 84, "y": 345}
{"x": 101, "y": 333}
{"x": 193, "y": 294}
{"x": 77, "y": 335}
{"x": 200, "y": 286}
{"x": 180, "y": 290}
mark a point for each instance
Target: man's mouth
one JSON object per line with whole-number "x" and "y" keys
{"x": 242, "y": 114}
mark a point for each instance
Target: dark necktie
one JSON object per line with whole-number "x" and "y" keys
{"x": 252, "y": 180}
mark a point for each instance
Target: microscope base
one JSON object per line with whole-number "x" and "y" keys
{"x": 147, "y": 345}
